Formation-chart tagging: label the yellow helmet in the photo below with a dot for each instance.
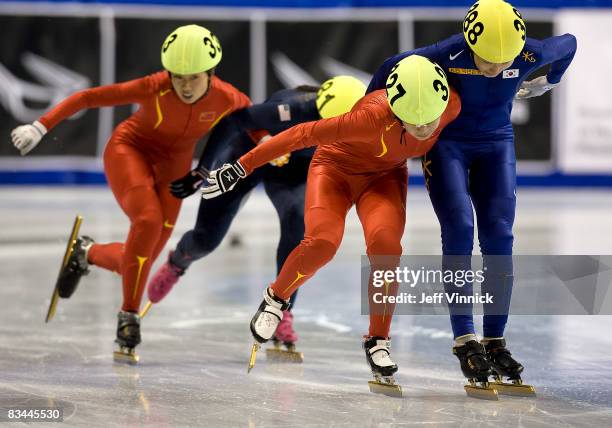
(494, 30)
(338, 95)
(417, 90)
(190, 49)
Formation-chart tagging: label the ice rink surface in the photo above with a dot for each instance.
(196, 343)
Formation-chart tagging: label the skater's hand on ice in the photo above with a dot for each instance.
(534, 88)
(281, 160)
(26, 137)
(188, 185)
(223, 180)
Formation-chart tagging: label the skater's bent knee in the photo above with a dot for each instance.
(149, 220)
(385, 242)
(319, 249)
(496, 237)
(458, 236)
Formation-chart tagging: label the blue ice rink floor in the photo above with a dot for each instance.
(196, 343)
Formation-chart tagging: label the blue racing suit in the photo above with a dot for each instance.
(472, 167)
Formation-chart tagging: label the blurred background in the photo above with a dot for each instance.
(50, 49)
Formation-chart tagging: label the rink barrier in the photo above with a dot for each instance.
(87, 178)
(539, 128)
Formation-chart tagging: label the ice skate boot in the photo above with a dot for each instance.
(74, 266)
(477, 369)
(503, 365)
(382, 366)
(161, 283)
(286, 336)
(265, 321)
(128, 337)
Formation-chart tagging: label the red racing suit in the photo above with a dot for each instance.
(360, 159)
(145, 153)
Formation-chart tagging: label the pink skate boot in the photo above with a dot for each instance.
(287, 336)
(164, 279)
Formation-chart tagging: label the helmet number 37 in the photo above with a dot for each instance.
(391, 81)
(438, 85)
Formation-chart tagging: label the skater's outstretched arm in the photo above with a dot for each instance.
(356, 125)
(225, 134)
(26, 137)
(271, 116)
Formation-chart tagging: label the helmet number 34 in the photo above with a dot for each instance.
(214, 47)
(212, 42)
(171, 39)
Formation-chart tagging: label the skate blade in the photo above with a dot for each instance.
(126, 357)
(52, 305)
(284, 356)
(254, 350)
(388, 389)
(146, 309)
(69, 247)
(481, 392)
(521, 390)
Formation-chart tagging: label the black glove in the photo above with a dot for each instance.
(188, 185)
(223, 180)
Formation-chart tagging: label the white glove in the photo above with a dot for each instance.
(26, 137)
(534, 88)
(222, 180)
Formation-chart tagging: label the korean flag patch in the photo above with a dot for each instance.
(511, 74)
(284, 112)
